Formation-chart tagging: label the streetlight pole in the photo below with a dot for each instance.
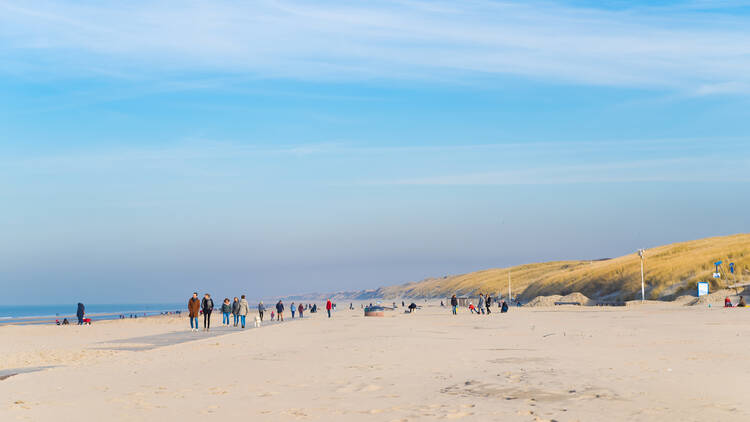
(641, 253)
(508, 287)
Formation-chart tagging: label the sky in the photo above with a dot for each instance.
(149, 149)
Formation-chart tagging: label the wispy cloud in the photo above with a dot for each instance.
(678, 170)
(340, 163)
(692, 46)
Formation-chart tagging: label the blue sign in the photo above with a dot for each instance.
(702, 288)
(731, 267)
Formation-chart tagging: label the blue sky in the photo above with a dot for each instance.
(149, 149)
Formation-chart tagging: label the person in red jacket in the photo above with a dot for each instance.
(328, 307)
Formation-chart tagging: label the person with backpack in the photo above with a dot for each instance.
(208, 306)
(236, 311)
(194, 308)
(243, 309)
(329, 306)
(261, 309)
(454, 303)
(226, 309)
(279, 311)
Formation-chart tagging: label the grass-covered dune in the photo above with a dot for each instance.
(671, 270)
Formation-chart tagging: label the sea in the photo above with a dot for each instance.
(47, 313)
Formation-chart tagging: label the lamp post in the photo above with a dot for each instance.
(508, 287)
(641, 253)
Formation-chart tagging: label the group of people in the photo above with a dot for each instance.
(483, 305)
(235, 312)
(740, 304)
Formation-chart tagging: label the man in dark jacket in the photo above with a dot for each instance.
(236, 311)
(279, 311)
(208, 306)
(194, 308)
(487, 303)
(80, 313)
(454, 303)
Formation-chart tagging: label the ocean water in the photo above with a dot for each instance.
(94, 310)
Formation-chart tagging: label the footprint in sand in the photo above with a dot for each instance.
(458, 415)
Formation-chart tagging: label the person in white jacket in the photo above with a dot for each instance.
(244, 309)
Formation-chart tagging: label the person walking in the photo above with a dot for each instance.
(454, 303)
(300, 309)
(480, 305)
(80, 312)
(293, 309)
(261, 309)
(236, 311)
(329, 306)
(488, 302)
(243, 309)
(208, 306)
(279, 311)
(194, 308)
(226, 309)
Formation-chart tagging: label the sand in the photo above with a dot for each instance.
(649, 362)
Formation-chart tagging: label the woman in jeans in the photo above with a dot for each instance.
(243, 309)
(226, 309)
(236, 311)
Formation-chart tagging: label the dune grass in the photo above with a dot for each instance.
(671, 270)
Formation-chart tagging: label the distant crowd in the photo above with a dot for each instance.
(235, 312)
(483, 307)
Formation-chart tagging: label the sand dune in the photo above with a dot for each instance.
(651, 362)
(671, 271)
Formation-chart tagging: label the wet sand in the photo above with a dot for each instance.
(650, 362)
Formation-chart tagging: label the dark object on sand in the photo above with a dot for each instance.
(568, 303)
(374, 311)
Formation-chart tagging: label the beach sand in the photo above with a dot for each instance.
(648, 362)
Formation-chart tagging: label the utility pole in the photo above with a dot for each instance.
(508, 287)
(641, 253)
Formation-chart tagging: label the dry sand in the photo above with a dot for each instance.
(649, 362)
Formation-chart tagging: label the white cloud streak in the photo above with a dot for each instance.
(679, 48)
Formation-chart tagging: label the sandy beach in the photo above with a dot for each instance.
(648, 362)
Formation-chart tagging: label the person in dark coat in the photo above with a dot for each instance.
(279, 311)
(80, 313)
(208, 306)
(454, 303)
(226, 309)
(504, 308)
(236, 310)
